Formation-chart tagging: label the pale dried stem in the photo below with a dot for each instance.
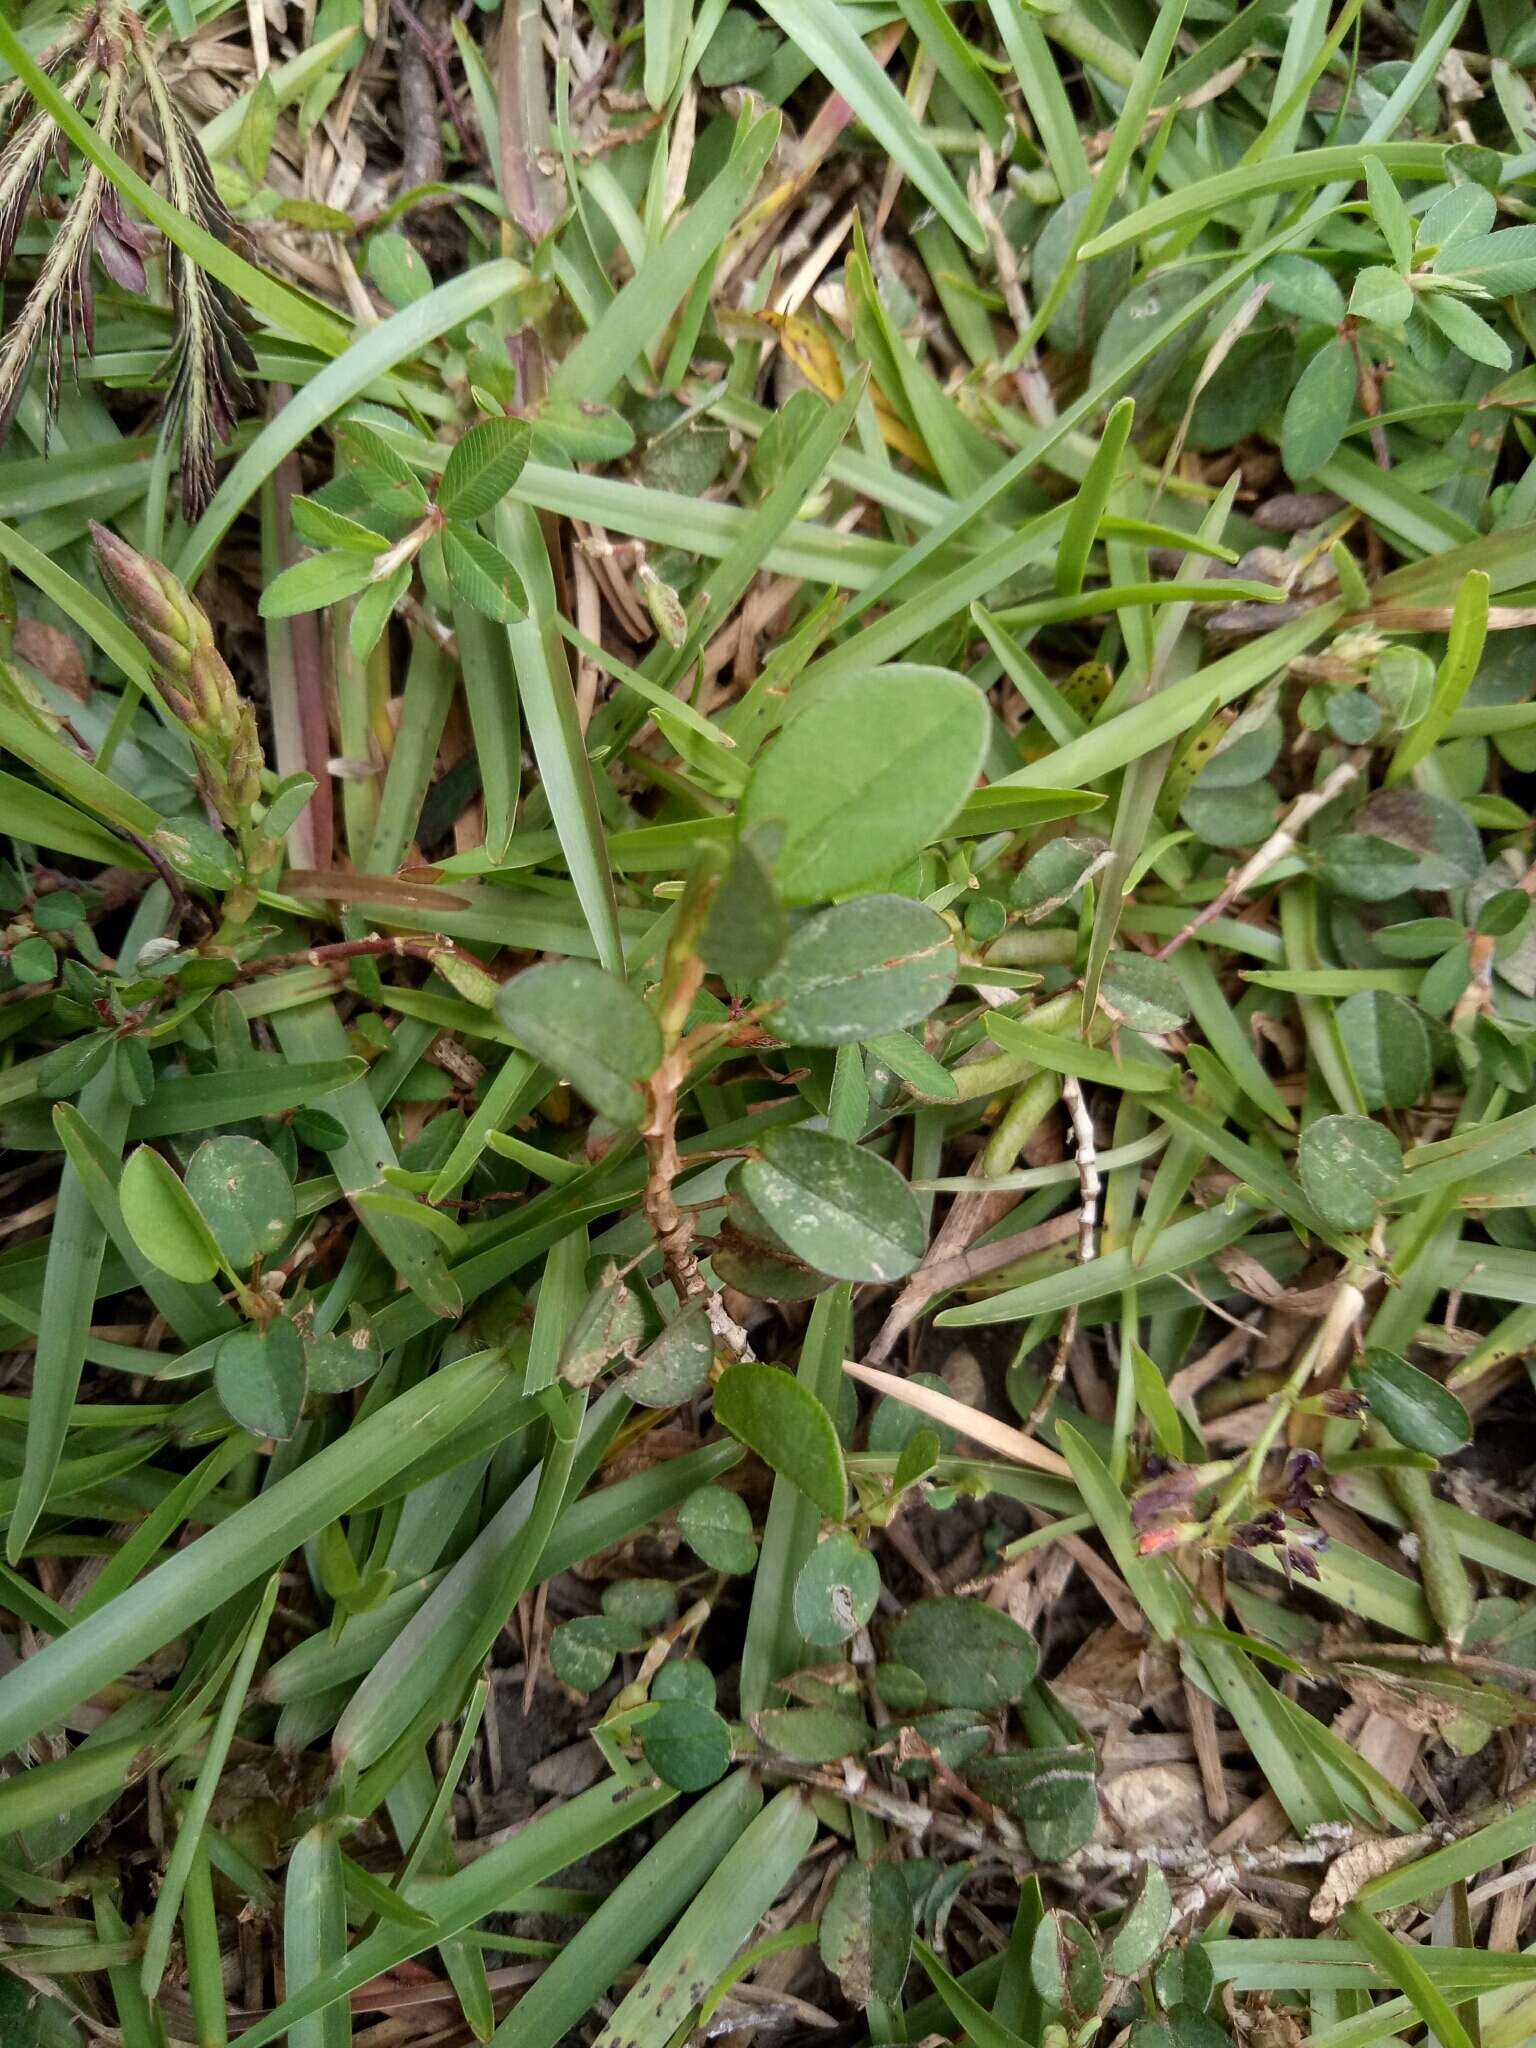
(1087, 1236)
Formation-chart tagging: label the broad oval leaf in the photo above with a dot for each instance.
(318, 580)
(164, 1221)
(966, 1653)
(1388, 1046)
(866, 1932)
(873, 769)
(750, 1257)
(581, 1652)
(244, 1192)
(812, 1735)
(1145, 1922)
(1467, 331)
(684, 1678)
(1054, 1792)
(1184, 1979)
(588, 1025)
(1318, 410)
(1445, 845)
(398, 268)
(1348, 1166)
(955, 1735)
(1420, 1413)
(859, 969)
(342, 1360)
(1096, 288)
(746, 928)
(1499, 263)
(1064, 1963)
(1144, 993)
(674, 1366)
(687, 1744)
(484, 465)
(716, 1524)
(842, 1209)
(606, 1326)
(260, 1379)
(836, 1590)
(1381, 295)
(647, 1604)
(772, 1414)
(323, 527)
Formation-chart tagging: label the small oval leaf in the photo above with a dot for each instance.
(787, 1426)
(873, 768)
(836, 1590)
(866, 1932)
(859, 969)
(1140, 1934)
(716, 1524)
(164, 1221)
(246, 1196)
(586, 1024)
(1418, 1411)
(686, 1744)
(966, 1653)
(842, 1209)
(1348, 1166)
(259, 1377)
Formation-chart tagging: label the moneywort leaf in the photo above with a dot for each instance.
(837, 1206)
(164, 1221)
(1348, 1166)
(585, 1023)
(966, 1653)
(858, 970)
(866, 1931)
(871, 770)
(774, 1415)
(1421, 1414)
(260, 1378)
(245, 1196)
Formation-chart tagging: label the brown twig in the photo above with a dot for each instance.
(421, 154)
(1368, 385)
(436, 54)
(182, 906)
(377, 946)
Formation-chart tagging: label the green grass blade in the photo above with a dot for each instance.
(631, 324)
(75, 1249)
(827, 36)
(554, 731)
(194, 1816)
(259, 1536)
(551, 1843)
